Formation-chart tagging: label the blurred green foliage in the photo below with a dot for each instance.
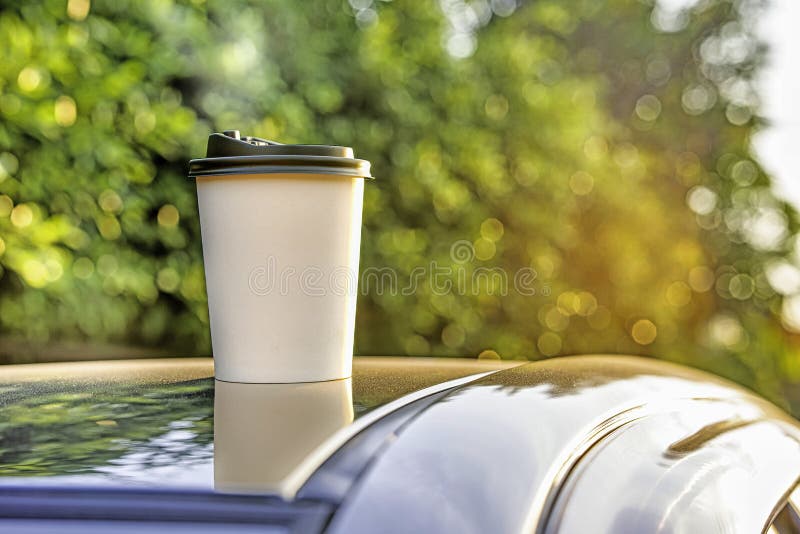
(605, 144)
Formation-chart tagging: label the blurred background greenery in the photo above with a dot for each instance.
(603, 143)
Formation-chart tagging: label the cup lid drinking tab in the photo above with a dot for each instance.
(231, 153)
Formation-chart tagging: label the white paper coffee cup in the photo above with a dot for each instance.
(281, 231)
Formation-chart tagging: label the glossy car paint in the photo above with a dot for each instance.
(578, 444)
(583, 444)
(704, 452)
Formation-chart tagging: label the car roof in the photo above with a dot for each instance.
(623, 444)
(150, 423)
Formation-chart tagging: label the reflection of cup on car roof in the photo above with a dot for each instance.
(263, 431)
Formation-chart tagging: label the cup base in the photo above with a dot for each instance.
(282, 381)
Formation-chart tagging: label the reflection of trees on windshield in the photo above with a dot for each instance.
(77, 432)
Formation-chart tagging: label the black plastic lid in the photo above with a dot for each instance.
(230, 153)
